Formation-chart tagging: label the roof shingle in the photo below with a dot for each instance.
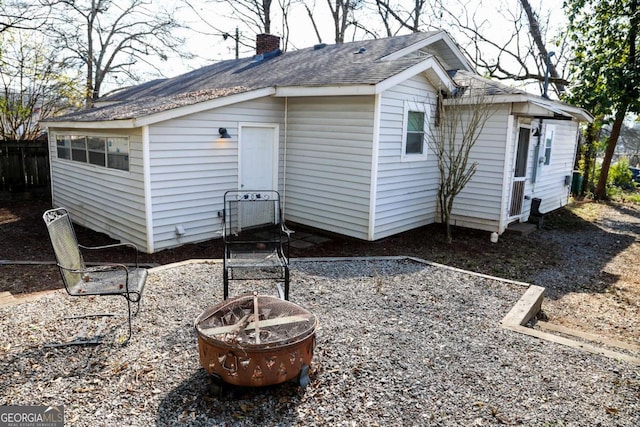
(330, 65)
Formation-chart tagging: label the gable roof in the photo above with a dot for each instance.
(350, 68)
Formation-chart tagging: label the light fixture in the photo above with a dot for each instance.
(223, 133)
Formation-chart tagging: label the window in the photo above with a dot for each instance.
(78, 149)
(63, 144)
(549, 135)
(414, 135)
(118, 153)
(109, 152)
(95, 146)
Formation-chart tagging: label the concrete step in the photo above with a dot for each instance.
(522, 228)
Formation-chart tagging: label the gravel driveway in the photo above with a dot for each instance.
(399, 343)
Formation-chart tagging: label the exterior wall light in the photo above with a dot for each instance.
(223, 133)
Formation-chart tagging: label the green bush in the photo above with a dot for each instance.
(620, 176)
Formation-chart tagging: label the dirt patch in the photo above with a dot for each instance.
(585, 256)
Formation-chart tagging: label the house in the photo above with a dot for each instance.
(326, 126)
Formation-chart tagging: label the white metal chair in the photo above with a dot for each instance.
(104, 279)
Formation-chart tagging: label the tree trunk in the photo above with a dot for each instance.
(601, 189)
(588, 158)
(534, 30)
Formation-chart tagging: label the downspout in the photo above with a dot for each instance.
(284, 160)
(50, 144)
(375, 146)
(148, 205)
(536, 154)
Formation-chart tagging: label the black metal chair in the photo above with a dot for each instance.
(256, 240)
(104, 279)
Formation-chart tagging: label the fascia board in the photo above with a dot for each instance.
(339, 90)
(435, 73)
(203, 106)
(104, 124)
(413, 48)
(566, 109)
(495, 99)
(442, 35)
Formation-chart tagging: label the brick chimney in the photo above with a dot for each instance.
(266, 43)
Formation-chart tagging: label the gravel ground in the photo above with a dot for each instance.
(595, 285)
(399, 343)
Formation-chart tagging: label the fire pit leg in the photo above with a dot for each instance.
(216, 386)
(303, 378)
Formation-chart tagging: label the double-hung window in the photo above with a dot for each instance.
(415, 131)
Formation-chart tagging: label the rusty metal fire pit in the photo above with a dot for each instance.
(237, 350)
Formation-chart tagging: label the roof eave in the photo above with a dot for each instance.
(325, 90)
(100, 124)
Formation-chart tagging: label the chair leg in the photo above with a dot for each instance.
(129, 318)
(286, 283)
(137, 302)
(225, 281)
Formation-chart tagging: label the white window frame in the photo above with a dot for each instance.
(419, 107)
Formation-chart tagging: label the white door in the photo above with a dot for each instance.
(258, 157)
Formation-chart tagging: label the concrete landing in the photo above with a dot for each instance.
(522, 228)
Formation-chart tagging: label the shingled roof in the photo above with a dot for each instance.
(355, 63)
(476, 87)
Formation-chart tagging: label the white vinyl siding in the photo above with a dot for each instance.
(191, 168)
(105, 200)
(479, 204)
(550, 185)
(406, 192)
(329, 152)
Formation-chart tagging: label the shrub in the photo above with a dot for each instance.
(620, 175)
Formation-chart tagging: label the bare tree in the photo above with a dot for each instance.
(410, 19)
(518, 51)
(109, 38)
(341, 10)
(32, 86)
(252, 17)
(536, 34)
(458, 124)
(18, 15)
(254, 14)
(310, 9)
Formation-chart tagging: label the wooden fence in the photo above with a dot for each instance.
(23, 165)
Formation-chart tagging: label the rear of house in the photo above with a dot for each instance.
(151, 167)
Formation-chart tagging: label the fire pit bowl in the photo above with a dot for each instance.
(239, 351)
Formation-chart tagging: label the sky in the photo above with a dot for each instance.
(208, 48)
